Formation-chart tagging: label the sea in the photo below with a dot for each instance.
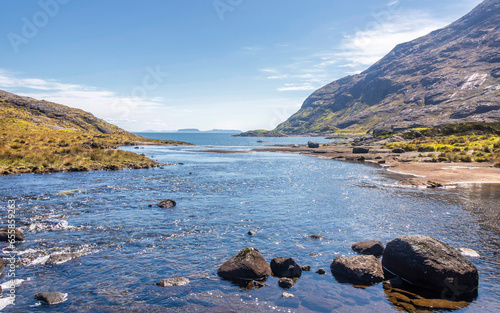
(124, 243)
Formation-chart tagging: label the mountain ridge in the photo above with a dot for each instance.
(449, 76)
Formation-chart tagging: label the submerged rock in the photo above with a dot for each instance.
(287, 295)
(285, 282)
(358, 269)
(59, 258)
(317, 237)
(255, 284)
(469, 252)
(306, 268)
(172, 282)
(6, 234)
(430, 263)
(167, 204)
(251, 232)
(52, 297)
(285, 267)
(371, 247)
(248, 264)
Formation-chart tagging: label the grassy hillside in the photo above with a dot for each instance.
(44, 137)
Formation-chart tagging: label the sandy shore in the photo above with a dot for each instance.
(423, 174)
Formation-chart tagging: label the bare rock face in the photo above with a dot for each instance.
(449, 76)
(358, 269)
(285, 267)
(248, 264)
(371, 247)
(432, 264)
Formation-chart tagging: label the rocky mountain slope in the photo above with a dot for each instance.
(42, 114)
(448, 76)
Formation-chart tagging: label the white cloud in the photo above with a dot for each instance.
(104, 104)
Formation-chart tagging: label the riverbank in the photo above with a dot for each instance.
(51, 151)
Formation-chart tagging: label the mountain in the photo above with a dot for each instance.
(41, 114)
(448, 76)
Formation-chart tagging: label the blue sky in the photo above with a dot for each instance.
(230, 64)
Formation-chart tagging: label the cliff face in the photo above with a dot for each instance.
(18, 110)
(448, 76)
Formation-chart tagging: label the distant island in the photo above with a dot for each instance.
(195, 130)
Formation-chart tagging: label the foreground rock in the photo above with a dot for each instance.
(248, 264)
(358, 269)
(285, 267)
(312, 144)
(52, 297)
(285, 282)
(167, 204)
(172, 282)
(430, 263)
(371, 247)
(16, 232)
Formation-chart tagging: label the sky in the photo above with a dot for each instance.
(161, 65)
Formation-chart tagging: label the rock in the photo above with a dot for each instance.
(172, 282)
(255, 284)
(285, 267)
(358, 269)
(285, 283)
(287, 295)
(469, 252)
(6, 231)
(313, 255)
(430, 263)
(371, 247)
(398, 151)
(167, 204)
(359, 150)
(251, 232)
(150, 205)
(51, 297)
(2, 267)
(306, 268)
(321, 271)
(59, 258)
(312, 144)
(317, 237)
(248, 264)
(295, 146)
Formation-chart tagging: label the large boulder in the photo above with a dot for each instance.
(285, 267)
(248, 264)
(312, 144)
(16, 232)
(371, 247)
(430, 263)
(358, 269)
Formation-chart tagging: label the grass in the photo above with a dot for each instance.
(464, 142)
(34, 150)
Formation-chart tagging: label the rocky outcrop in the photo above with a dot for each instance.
(248, 264)
(371, 247)
(6, 234)
(312, 145)
(51, 297)
(172, 282)
(432, 264)
(449, 76)
(358, 269)
(285, 267)
(167, 204)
